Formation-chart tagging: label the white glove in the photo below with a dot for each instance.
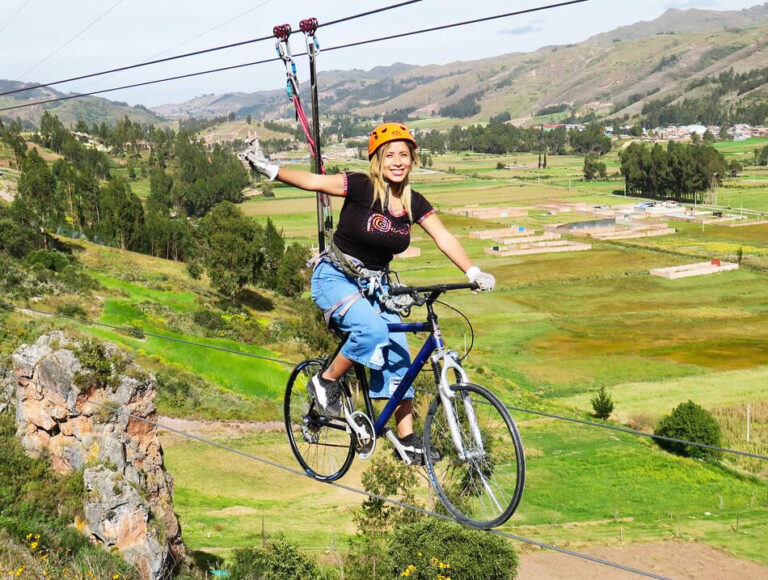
(256, 159)
(485, 281)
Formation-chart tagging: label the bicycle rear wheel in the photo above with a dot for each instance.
(484, 488)
(323, 447)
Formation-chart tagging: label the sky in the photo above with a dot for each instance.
(44, 41)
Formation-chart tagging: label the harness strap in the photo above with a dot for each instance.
(344, 305)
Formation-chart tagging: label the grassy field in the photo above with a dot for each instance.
(558, 327)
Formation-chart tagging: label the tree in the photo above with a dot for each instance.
(37, 189)
(122, 215)
(230, 248)
(593, 168)
(248, 119)
(690, 422)
(602, 403)
(66, 177)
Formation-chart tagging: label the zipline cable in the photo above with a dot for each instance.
(456, 24)
(15, 14)
(188, 40)
(135, 332)
(71, 40)
(338, 47)
(336, 484)
(195, 53)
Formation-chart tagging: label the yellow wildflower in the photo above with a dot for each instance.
(434, 561)
(115, 576)
(33, 545)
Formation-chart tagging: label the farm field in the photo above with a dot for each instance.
(557, 328)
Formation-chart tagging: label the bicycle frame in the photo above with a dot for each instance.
(432, 350)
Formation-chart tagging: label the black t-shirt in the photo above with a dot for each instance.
(370, 234)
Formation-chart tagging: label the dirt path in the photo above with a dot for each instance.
(217, 429)
(679, 560)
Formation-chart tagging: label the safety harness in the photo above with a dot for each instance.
(372, 284)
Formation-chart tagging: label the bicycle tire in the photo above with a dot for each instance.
(484, 490)
(323, 447)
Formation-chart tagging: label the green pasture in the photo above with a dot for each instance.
(558, 327)
(618, 487)
(711, 390)
(243, 374)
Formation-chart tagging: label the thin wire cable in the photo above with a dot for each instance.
(374, 11)
(455, 24)
(469, 324)
(339, 47)
(635, 432)
(195, 53)
(211, 29)
(138, 333)
(187, 41)
(15, 14)
(71, 40)
(91, 93)
(133, 331)
(336, 484)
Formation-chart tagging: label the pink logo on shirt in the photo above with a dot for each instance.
(383, 224)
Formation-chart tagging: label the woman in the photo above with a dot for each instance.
(374, 224)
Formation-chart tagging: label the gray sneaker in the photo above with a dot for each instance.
(413, 447)
(327, 394)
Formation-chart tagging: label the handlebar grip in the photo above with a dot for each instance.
(398, 290)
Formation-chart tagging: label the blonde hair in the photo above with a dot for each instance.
(380, 184)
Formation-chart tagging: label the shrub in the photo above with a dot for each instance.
(602, 403)
(280, 559)
(433, 548)
(690, 422)
(71, 310)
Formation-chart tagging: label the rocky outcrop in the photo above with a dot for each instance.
(97, 415)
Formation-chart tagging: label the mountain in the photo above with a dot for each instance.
(90, 109)
(615, 74)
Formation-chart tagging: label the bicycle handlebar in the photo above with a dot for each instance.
(439, 288)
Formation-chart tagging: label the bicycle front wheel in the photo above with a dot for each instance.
(480, 484)
(324, 447)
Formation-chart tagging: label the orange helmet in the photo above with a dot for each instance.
(388, 132)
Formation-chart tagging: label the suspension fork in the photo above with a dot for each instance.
(447, 398)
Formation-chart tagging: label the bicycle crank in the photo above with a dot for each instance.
(365, 438)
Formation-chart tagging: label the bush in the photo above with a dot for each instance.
(602, 403)
(71, 310)
(280, 559)
(433, 548)
(690, 422)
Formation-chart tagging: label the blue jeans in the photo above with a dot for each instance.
(370, 342)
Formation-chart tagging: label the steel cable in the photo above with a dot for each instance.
(65, 394)
(338, 47)
(138, 332)
(195, 53)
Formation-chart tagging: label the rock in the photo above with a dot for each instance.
(118, 516)
(105, 427)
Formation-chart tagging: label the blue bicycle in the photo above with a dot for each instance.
(472, 448)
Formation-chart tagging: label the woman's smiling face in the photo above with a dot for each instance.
(397, 161)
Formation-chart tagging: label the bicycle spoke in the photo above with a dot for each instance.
(484, 487)
(322, 446)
